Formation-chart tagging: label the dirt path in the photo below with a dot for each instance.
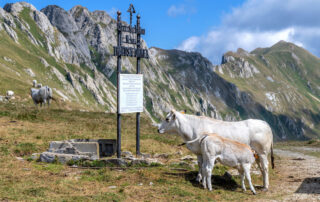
(298, 176)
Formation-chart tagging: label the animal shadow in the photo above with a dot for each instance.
(310, 186)
(218, 182)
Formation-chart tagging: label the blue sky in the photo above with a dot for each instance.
(165, 28)
(213, 27)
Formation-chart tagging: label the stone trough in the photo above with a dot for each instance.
(77, 149)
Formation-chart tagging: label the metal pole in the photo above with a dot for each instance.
(118, 90)
(138, 72)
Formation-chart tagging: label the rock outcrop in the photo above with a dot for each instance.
(73, 50)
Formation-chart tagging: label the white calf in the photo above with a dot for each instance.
(227, 152)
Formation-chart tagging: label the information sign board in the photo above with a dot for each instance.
(131, 93)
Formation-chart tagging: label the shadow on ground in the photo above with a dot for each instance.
(310, 186)
(218, 182)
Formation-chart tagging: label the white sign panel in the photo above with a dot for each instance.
(131, 93)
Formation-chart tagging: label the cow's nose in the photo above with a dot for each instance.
(158, 130)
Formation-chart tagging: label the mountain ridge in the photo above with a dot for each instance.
(72, 52)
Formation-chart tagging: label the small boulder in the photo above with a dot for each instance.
(126, 154)
(30, 72)
(163, 156)
(188, 158)
(143, 155)
(35, 156)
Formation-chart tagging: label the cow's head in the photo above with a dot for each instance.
(169, 124)
(49, 92)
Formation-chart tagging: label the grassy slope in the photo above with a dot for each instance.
(291, 79)
(24, 130)
(27, 55)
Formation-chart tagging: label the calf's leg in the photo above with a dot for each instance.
(246, 168)
(199, 177)
(242, 179)
(207, 167)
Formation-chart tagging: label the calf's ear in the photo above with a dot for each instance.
(173, 117)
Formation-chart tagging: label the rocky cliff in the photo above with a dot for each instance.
(72, 52)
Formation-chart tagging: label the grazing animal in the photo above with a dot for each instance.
(34, 83)
(42, 95)
(255, 133)
(10, 93)
(228, 152)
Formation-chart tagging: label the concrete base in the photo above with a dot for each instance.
(50, 157)
(90, 149)
(76, 149)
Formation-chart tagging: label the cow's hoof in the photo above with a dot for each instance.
(254, 193)
(264, 189)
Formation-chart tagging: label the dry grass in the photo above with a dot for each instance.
(25, 130)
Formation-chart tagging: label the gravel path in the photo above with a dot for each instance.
(298, 175)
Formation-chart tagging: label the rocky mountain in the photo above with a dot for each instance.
(71, 51)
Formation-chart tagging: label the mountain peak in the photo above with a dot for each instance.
(16, 8)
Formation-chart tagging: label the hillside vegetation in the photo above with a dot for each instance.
(71, 51)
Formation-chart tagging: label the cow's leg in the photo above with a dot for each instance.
(265, 174)
(246, 169)
(259, 164)
(199, 177)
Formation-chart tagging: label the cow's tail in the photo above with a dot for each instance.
(272, 157)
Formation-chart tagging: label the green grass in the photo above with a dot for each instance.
(31, 180)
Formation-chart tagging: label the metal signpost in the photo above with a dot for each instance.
(129, 86)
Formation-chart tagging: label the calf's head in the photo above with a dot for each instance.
(169, 124)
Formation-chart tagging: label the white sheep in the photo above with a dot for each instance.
(10, 93)
(34, 83)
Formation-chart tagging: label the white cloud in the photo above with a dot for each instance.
(190, 44)
(174, 10)
(182, 9)
(261, 24)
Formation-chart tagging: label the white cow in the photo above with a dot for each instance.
(228, 152)
(42, 95)
(255, 133)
